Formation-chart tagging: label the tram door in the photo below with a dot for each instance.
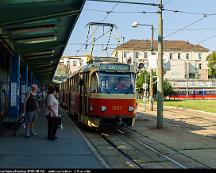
(81, 91)
(84, 96)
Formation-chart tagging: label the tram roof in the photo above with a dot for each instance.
(39, 30)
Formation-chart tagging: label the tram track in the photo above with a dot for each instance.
(172, 160)
(154, 156)
(124, 154)
(135, 156)
(152, 149)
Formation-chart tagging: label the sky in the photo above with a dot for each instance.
(191, 24)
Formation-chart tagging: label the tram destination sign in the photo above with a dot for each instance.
(115, 67)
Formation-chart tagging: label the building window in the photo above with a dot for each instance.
(192, 76)
(171, 56)
(200, 56)
(179, 55)
(187, 56)
(199, 66)
(125, 54)
(145, 55)
(137, 55)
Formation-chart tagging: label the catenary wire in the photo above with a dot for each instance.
(101, 22)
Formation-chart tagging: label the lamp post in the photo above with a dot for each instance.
(151, 98)
(144, 95)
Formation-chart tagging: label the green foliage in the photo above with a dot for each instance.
(168, 89)
(212, 64)
(141, 80)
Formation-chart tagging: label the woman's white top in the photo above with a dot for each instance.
(53, 102)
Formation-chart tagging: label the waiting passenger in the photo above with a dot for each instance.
(30, 109)
(51, 112)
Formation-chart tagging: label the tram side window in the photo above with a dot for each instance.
(77, 83)
(182, 92)
(208, 92)
(191, 92)
(94, 83)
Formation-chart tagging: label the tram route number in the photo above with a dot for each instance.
(117, 108)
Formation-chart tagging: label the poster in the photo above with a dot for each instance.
(153, 62)
(13, 93)
(23, 91)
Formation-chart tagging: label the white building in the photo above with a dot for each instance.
(181, 58)
(74, 63)
(67, 65)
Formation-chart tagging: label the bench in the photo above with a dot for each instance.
(10, 123)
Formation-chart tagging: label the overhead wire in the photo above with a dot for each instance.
(204, 16)
(188, 29)
(207, 39)
(186, 26)
(123, 12)
(108, 13)
(189, 12)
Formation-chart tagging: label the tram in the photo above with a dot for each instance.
(194, 93)
(101, 93)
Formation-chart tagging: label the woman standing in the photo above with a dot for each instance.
(52, 113)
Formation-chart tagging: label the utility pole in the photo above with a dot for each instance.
(187, 79)
(122, 50)
(160, 69)
(151, 99)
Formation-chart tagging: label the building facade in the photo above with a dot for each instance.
(182, 60)
(67, 65)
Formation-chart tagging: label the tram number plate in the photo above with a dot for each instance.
(117, 108)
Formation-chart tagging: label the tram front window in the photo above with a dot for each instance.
(116, 83)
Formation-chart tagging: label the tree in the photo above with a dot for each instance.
(141, 80)
(168, 89)
(212, 64)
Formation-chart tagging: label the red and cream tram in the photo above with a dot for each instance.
(101, 93)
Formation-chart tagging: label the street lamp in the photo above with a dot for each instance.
(151, 98)
(135, 24)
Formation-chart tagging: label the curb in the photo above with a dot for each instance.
(180, 108)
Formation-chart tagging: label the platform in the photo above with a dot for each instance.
(70, 150)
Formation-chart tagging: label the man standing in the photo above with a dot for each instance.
(30, 109)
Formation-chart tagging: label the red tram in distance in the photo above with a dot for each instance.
(101, 93)
(194, 93)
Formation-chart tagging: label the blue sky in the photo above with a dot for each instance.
(195, 33)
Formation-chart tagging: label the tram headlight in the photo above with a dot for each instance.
(103, 108)
(130, 108)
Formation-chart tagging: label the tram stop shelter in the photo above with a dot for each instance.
(33, 36)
